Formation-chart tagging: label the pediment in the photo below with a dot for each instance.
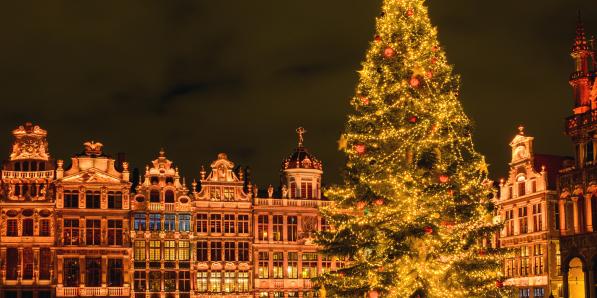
(91, 176)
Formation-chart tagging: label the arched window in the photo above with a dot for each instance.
(17, 166)
(154, 196)
(169, 180)
(154, 180)
(521, 184)
(42, 166)
(25, 166)
(576, 279)
(293, 193)
(169, 196)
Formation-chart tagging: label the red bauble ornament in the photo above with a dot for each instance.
(389, 52)
(429, 74)
(413, 119)
(364, 100)
(448, 224)
(410, 12)
(428, 230)
(378, 202)
(482, 252)
(444, 178)
(359, 148)
(377, 38)
(433, 60)
(373, 294)
(499, 284)
(361, 205)
(414, 82)
(434, 49)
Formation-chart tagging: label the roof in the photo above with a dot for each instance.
(552, 163)
(301, 158)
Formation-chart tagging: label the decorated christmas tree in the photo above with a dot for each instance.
(414, 216)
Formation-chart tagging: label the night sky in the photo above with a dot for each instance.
(202, 77)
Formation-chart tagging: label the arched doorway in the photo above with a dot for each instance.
(576, 279)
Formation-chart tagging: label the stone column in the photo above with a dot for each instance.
(516, 221)
(270, 227)
(588, 213)
(575, 215)
(562, 206)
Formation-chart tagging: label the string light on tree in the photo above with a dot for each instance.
(414, 201)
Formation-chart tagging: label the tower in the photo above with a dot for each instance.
(301, 173)
(583, 77)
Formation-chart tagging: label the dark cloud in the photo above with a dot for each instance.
(202, 77)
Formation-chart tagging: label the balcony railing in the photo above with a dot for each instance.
(27, 175)
(292, 202)
(581, 120)
(92, 291)
(571, 177)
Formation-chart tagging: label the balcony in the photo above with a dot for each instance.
(571, 177)
(292, 203)
(283, 284)
(27, 175)
(92, 291)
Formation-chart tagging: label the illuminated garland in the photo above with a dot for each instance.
(414, 215)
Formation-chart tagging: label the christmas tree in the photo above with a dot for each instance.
(414, 216)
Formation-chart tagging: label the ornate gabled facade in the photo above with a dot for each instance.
(161, 233)
(92, 249)
(27, 210)
(578, 183)
(528, 207)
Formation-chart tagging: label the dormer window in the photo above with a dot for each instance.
(521, 184)
(169, 180)
(154, 196)
(154, 180)
(169, 196)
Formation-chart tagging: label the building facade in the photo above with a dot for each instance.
(528, 207)
(577, 183)
(82, 229)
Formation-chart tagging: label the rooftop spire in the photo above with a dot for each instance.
(580, 42)
(300, 131)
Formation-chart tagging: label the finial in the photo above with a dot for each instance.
(202, 173)
(162, 152)
(580, 42)
(521, 130)
(300, 131)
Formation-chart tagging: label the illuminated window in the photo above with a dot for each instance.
(524, 261)
(292, 228)
(215, 282)
(229, 281)
(521, 185)
(155, 281)
(93, 232)
(229, 250)
(155, 223)
(140, 224)
(262, 226)
(324, 225)
(263, 271)
(510, 269)
(201, 281)
(523, 220)
(326, 264)
(114, 200)
(524, 293)
(70, 232)
(71, 199)
(538, 292)
(169, 222)
(243, 281)
(538, 259)
(184, 222)
(183, 250)
(114, 232)
(278, 227)
(243, 224)
(216, 251)
(278, 265)
(115, 276)
(229, 223)
(309, 263)
(44, 227)
(154, 250)
(139, 252)
(537, 218)
(201, 223)
(509, 223)
(229, 193)
(169, 250)
(202, 255)
(92, 199)
(292, 269)
(215, 222)
(243, 251)
(558, 260)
